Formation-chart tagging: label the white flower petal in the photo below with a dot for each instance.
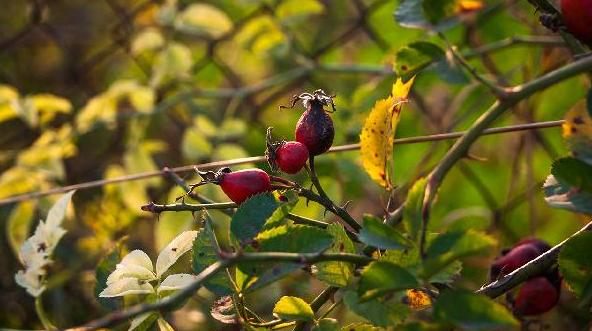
(126, 286)
(139, 258)
(32, 256)
(173, 251)
(176, 282)
(31, 280)
(140, 319)
(56, 214)
(130, 271)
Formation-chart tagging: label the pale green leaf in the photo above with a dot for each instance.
(293, 309)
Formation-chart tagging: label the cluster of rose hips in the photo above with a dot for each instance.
(538, 294)
(314, 135)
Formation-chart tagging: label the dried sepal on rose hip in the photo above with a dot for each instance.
(237, 185)
(315, 127)
(287, 156)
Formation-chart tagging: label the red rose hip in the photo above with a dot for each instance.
(243, 184)
(577, 16)
(514, 259)
(291, 157)
(315, 127)
(535, 297)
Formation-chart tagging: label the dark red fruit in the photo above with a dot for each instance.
(315, 127)
(291, 157)
(577, 16)
(539, 244)
(536, 296)
(514, 259)
(243, 184)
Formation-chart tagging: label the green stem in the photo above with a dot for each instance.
(323, 199)
(155, 208)
(462, 145)
(43, 315)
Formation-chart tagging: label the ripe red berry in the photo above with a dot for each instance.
(539, 244)
(577, 16)
(291, 157)
(536, 296)
(243, 184)
(315, 127)
(514, 259)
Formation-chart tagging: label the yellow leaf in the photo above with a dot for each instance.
(417, 299)
(378, 133)
(204, 19)
(577, 131)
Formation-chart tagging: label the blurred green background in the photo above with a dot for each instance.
(99, 89)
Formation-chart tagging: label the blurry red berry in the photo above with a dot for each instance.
(291, 157)
(577, 16)
(514, 259)
(536, 296)
(243, 184)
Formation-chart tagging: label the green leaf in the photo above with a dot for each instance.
(409, 259)
(412, 213)
(263, 274)
(143, 322)
(575, 263)
(279, 215)
(163, 325)
(337, 273)
(409, 14)
(381, 277)
(413, 58)
(450, 246)
(573, 172)
(251, 215)
(559, 195)
(293, 309)
(285, 238)
(472, 311)
(326, 324)
(294, 239)
(105, 267)
(361, 327)
(18, 225)
(379, 235)
(436, 11)
(203, 255)
(376, 311)
(173, 61)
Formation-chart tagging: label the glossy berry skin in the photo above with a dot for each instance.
(243, 184)
(577, 16)
(315, 129)
(514, 259)
(291, 157)
(536, 296)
